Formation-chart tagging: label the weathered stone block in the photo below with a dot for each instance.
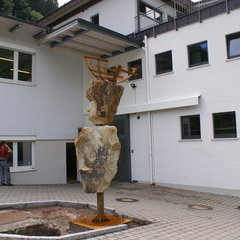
(104, 99)
(98, 150)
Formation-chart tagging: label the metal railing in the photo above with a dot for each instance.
(169, 12)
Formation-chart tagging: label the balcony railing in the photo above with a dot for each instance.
(169, 12)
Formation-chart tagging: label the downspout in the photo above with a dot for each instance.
(150, 119)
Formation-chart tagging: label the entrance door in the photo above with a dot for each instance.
(121, 122)
(71, 162)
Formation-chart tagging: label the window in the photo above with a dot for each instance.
(233, 45)
(191, 127)
(150, 11)
(224, 125)
(95, 19)
(198, 54)
(16, 66)
(6, 63)
(22, 155)
(164, 62)
(136, 64)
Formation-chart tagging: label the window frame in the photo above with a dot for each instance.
(197, 64)
(16, 140)
(192, 137)
(15, 167)
(153, 9)
(230, 37)
(141, 74)
(222, 136)
(16, 52)
(164, 71)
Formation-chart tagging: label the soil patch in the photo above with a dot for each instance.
(55, 221)
(37, 230)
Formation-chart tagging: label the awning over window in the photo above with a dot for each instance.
(89, 38)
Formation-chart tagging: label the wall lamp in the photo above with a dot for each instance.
(133, 85)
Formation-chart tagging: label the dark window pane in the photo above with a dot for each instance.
(142, 7)
(95, 19)
(6, 63)
(191, 127)
(24, 154)
(25, 67)
(233, 45)
(164, 62)
(136, 64)
(198, 54)
(224, 125)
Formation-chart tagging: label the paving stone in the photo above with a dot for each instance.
(166, 207)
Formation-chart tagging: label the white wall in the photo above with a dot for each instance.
(206, 163)
(51, 109)
(50, 165)
(113, 14)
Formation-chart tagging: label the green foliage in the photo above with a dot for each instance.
(30, 10)
(6, 6)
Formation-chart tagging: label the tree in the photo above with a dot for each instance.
(6, 6)
(30, 10)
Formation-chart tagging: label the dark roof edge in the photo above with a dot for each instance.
(68, 13)
(56, 10)
(205, 13)
(22, 21)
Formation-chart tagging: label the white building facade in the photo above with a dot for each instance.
(182, 110)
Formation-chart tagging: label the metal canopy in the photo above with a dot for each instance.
(89, 38)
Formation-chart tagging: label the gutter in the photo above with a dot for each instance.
(150, 118)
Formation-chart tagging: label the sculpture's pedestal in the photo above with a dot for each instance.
(91, 224)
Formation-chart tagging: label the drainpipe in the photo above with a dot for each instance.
(150, 119)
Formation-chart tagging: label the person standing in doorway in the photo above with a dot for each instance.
(5, 172)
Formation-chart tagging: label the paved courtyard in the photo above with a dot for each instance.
(167, 208)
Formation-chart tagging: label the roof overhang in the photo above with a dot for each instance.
(13, 25)
(89, 38)
(67, 11)
(187, 101)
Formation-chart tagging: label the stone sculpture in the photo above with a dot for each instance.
(98, 152)
(104, 99)
(98, 148)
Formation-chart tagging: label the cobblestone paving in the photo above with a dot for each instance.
(167, 208)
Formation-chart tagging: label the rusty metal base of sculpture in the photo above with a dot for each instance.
(91, 224)
(101, 220)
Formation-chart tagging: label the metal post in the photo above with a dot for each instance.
(227, 7)
(175, 19)
(138, 16)
(100, 208)
(199, 13)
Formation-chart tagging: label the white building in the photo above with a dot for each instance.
(178, 121)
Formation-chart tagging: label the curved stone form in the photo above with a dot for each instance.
(98, 150)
